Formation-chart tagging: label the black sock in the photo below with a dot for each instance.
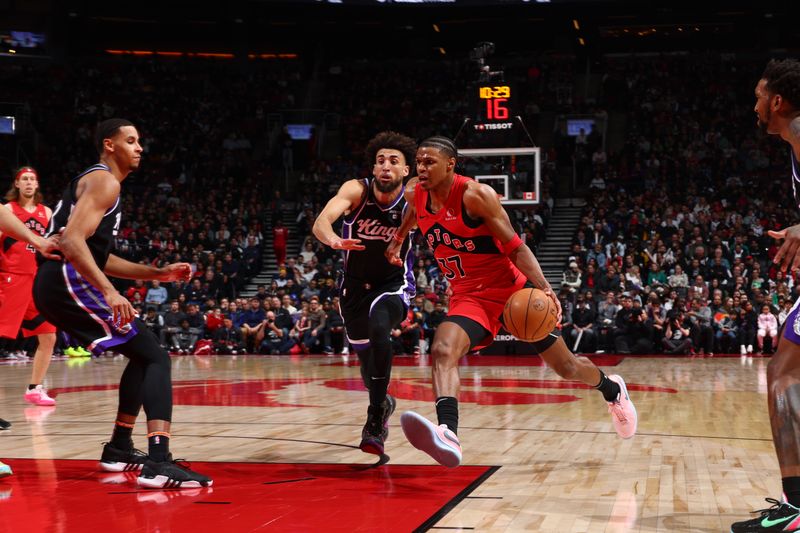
(610, 389)
(377, 391)
(31, 386)
(121, 437)
(158, 446)
(447, 411)
(791, 488)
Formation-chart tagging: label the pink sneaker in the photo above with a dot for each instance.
(38, 396)
(623, 413)
(437, 441)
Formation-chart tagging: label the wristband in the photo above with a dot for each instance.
(400, 239)
(512, 245)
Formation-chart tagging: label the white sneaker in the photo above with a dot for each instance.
(749, 348)
(742, 350)
(437, 441)
(38, 396)
(623, 413)
(345, 351)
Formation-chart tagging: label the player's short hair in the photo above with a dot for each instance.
(783, 78)
(441, 143)
(106, 130)
(393, 141)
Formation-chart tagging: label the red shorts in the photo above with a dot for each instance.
(485, 307)
(17, 309)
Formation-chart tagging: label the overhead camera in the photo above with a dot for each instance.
(479, 55)
(481, 52)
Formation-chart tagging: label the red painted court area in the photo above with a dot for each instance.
(71, 495)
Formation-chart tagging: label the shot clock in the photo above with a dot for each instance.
(494, 106)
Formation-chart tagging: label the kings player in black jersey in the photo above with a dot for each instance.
(778, 110)
(76, 295)
(374, 295)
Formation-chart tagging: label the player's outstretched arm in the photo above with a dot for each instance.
(481, 201)
(11, 225)
(122, 268)
(97, 192)
(348, 197)
(409, 222)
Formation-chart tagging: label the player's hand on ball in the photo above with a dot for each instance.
(346, 244)
(549, 292)
(176, 272)
(788, 255)
(392, 253)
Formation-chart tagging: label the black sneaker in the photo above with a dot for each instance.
(4, 424)
(171, 474)
(376, 430)
(117, 460)
(781, 516)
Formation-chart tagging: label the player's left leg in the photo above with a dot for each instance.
(566, 364)
(36, 393)
(147, 382)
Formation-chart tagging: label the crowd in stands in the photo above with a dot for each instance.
(672, 253)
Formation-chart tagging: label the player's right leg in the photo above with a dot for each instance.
(452, 341)
(783, 399)
(384, 313)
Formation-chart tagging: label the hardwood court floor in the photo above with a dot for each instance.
(702, 458)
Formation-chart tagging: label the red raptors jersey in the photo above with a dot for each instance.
(19, 257)
(467, 253)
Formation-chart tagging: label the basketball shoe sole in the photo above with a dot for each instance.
(437, 441)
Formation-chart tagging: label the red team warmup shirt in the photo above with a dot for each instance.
(482, 277)
(17, 270)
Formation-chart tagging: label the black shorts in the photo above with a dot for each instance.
(356, 302)
(73, 305)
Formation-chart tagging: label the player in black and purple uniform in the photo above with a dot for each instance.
(778, 110)
(76, 296)
(375, 295)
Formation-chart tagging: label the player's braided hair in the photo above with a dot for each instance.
(393, 141)
(106, 130)
(783, 78)
(441, 143)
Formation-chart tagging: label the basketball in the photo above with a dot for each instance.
(530, 315)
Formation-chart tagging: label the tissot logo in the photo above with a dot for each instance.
(372, 230)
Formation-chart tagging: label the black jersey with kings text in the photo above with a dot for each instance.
(101, 242)
(375, 225)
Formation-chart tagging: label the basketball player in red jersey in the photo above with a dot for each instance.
(17, 271)
(485, 262)
(778, 110)
(13, 227)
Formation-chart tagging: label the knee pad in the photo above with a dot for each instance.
(548, 341)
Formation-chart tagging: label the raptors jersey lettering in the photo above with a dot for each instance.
(19, 257)
(467, 253)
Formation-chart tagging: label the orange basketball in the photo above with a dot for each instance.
(530, 315)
